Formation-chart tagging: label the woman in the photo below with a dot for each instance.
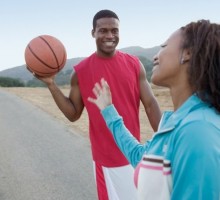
(182, 160)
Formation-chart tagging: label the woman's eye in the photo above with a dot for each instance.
(163, 45)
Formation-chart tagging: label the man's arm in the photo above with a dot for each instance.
(71, 106)
(149, 101)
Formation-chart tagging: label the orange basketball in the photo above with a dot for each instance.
(45, 55)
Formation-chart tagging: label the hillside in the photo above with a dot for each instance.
(20, 72)
(144, 52)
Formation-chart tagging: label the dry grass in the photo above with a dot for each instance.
(42, 98)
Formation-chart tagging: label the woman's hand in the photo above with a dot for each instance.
(103, 95)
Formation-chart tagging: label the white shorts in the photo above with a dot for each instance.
(115, 183)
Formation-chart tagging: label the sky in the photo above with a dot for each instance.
(144, 23)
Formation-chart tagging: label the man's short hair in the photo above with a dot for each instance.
(103, 14)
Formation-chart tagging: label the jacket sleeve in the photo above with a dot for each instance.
(126, 142)
(196, 162)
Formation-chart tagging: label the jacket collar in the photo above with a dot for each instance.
(171, 119)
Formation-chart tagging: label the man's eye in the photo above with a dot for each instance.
(115, 31)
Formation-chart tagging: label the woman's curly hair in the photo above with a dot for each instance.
(202, 38)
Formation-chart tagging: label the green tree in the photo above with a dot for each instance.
(62, 78)
(11, 82)
(148, 65)
(34, 82)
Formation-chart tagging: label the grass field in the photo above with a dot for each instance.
(42, 98)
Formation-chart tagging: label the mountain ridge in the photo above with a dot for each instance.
(20, 72)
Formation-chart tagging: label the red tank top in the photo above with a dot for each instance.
(122, 74)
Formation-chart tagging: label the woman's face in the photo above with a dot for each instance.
(167, 68)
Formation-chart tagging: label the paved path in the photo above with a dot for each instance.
(40, 159)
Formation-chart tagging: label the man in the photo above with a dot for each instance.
(127, 79)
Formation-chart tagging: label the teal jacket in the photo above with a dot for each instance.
(182, 160)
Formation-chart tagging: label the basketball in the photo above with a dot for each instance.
(45, 55)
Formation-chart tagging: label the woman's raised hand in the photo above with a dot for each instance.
(103, 97)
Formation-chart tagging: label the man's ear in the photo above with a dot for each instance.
(93, 33)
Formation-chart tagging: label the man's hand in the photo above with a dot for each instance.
(47, 80)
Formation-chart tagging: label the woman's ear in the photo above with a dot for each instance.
(186, 55)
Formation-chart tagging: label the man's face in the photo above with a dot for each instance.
(106, 34)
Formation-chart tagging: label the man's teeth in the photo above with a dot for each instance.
(109, 43)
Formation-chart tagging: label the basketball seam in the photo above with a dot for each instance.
(64, 60)
(35, 55)
(52, 51)
(39, 72)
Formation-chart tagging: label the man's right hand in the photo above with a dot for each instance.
(47, 80)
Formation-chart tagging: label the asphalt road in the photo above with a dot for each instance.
(40, 159)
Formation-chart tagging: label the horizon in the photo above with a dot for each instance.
(81, 56)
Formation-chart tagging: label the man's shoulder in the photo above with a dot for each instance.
(83, 62)
(128, 55)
